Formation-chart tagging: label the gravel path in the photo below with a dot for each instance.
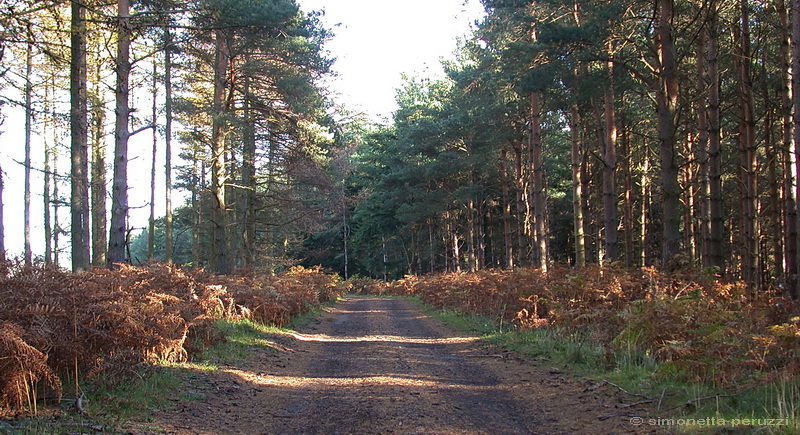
(379, 365)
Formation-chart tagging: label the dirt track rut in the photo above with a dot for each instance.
(379, 365)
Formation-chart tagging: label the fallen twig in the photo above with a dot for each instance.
(94, 427)
(641, 402)
(713, 396)
(605, 382)
(618, 414)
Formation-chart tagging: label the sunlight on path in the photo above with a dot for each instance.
(323, 338)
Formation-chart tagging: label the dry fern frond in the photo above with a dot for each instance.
(22, 367)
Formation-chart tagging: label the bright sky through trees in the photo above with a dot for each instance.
(374, 43)
(377, 41)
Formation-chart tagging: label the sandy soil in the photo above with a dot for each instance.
(379, 365)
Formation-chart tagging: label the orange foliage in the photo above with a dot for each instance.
(715, 331)
(105, 323)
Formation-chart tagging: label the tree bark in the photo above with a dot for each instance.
(789, 152)
(610, 167)
(795, 50)
(776, 236)
(577, 188)
(480, 233)
(219, 255)
(540, 236)
(717, 225)
(471, 254)
(628, 194)
(644, 210)
(28, 253)
(168, 218)
(151, 224)
(748, 150)
(98, 169)
(48, 175)
(119, 191)
(702, 150)
(248, 208)
(79, 140)
(508, 243)
(667, 98)
(56, 201)
(198, 184)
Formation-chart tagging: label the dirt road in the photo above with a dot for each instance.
(378, 365)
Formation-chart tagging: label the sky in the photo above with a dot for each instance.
(375, 42)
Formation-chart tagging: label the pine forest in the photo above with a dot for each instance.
(622, 171)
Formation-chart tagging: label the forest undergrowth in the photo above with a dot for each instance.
(683, 341)
(686, 342)
(60, 331)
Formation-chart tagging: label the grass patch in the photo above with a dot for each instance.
(107, 407)
(238, 337)
(679, 404)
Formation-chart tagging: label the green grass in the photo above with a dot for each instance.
(107, 407)
(239, 337)
(685, 406)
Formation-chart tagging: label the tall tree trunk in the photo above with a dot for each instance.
(702, 150)
(56, 200)
(28, 253)
(385, 257)
(540, 235)
(789, 152)
(749, 162)
(198, 184)
(644, 210)
(628, 194)
(248, 200)
(98, 169)
(168, 218)
(796, 107)
(151, 224)
(79, 141)
(456, 244)
(714, 248)
(431, 247)
(776, 237)
(48, 175)
(688, 175)
(119, 191)
(577, 188)
(508, 243)
(667, 97)
(523, 203)
(219, 255)
(345, 232)
(480, 234)
(471, 255)
(610, 166)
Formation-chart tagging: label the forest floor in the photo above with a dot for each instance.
(381, 365)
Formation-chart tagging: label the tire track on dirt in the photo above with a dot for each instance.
(379, 365)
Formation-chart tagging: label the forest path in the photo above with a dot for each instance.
(380, 365)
